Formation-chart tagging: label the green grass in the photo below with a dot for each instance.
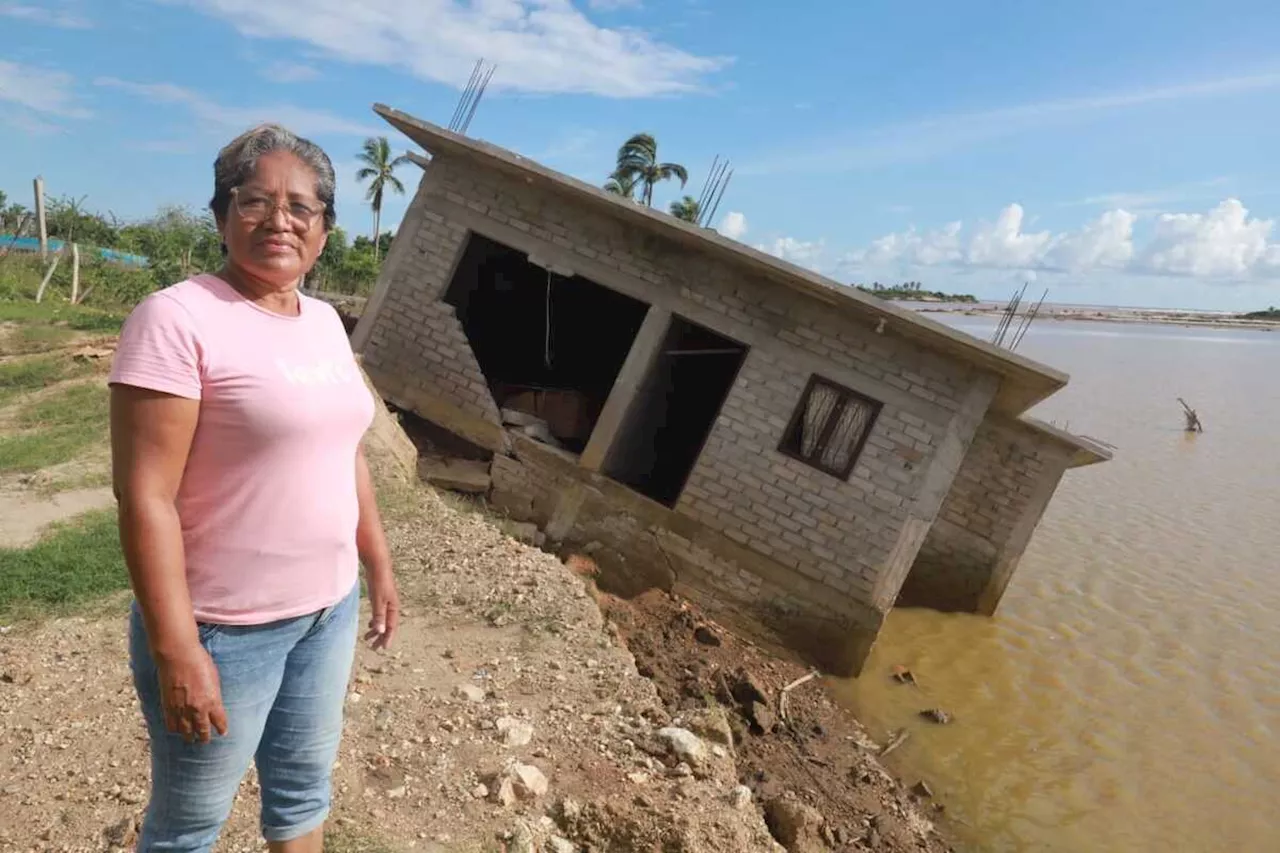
(28, 339)
(22, 376)
(74, 405)
(57, 429)
(27, 312)
(77, 562)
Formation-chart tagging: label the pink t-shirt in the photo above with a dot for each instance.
(268, 499)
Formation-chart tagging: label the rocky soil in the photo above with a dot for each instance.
(813, 770)
(510, 716)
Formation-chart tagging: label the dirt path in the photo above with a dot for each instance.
(24, 514)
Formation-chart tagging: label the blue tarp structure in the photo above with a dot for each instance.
(32, 244)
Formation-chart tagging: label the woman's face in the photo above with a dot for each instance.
(274, 229)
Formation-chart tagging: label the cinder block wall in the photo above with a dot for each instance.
(838, 536)
(997, 498)
(417, 352)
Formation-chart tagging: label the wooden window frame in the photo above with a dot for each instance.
(846, 395)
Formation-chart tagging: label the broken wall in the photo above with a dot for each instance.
(417, 352)
(849, 542)
(1004, 485)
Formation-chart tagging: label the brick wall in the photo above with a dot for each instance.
(833, 533)
(997, 486)
(418, 338)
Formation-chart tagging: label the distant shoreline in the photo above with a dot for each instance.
(1149, 316)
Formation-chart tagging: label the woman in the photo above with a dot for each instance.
(245, 502)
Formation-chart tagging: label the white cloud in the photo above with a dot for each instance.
(1223, 243)
(800, 252)
(291, 72)
(45, 15)
(39, 90)
(1107, 242)
(1003, 243)
(537, 45)
(220, 118)
(733, 225)
(931, 136)
(935, 248)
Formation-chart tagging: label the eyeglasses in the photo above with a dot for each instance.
(255, 207)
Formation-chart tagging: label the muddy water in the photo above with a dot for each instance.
(1126, 697)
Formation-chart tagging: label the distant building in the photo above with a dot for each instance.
(795, 455)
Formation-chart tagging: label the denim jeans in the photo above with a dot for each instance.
(283, 687)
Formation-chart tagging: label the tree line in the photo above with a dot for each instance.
(179, 242)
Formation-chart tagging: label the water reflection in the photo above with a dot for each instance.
(1127, 695)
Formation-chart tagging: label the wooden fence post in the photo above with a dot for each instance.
(47, 276)
(44, 231)
(75, 273)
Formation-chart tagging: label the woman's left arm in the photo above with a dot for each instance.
(371, 542)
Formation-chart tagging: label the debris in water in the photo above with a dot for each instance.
(936, 715)
(902, 675)
(898, 740)
(1193, 419)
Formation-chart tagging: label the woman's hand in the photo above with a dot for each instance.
(371, 543)
(385, 603)
(191, 695)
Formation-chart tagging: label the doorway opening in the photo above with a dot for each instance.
(549, 342)
(675, 407)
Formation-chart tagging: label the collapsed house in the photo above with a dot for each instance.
(794, 454)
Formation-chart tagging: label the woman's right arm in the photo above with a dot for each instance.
(150, 438)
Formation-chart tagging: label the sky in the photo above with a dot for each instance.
(1120, 152)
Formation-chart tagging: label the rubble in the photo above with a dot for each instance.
(514, 732)
(798, 826)
(528, 781)
(457, 475)
(471, 692)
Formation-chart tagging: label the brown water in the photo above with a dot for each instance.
(1126, 696)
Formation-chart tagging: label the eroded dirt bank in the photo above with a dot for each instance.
(510, 716)
(816, 765)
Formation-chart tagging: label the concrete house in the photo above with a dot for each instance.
(793, 454)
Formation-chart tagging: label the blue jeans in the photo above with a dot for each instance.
(283, 687)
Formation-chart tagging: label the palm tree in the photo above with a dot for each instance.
(686, 209)
(379, 168)
(638, 161)
(623, 185)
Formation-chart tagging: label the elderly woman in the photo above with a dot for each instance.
(237, 412)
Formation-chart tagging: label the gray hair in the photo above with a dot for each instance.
(238, 160)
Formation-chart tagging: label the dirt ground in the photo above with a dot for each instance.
(520, 710)
(501, 642)
(503, 657)
(30, 502)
